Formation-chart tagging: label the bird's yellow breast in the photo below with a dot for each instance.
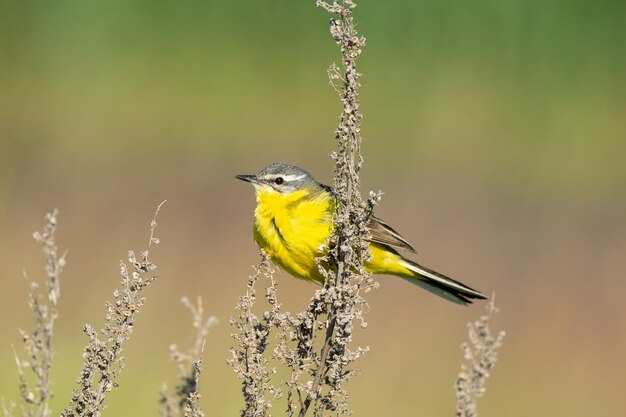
(294, 228)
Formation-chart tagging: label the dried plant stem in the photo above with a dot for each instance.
(185, 399)
(314, 344)
(348, 248)
(248, 360)
(320, 369)
(103, 355)
(191, 407)
(481, 353)
(38, 342)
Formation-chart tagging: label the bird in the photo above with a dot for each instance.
(293, 220)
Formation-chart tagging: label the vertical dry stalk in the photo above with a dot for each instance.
(314, 344)
(38, 342)
(481, 353)
(103, 355)
(191, 408)
(185, 400)
(252, 337)
(341, 298)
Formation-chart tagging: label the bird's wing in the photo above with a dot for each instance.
(382, 233)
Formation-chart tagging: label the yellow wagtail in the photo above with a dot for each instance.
(293, 221)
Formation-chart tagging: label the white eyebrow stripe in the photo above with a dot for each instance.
(293, 177)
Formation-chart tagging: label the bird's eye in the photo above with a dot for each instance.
(279, 180)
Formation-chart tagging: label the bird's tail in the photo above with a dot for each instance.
(440, 285)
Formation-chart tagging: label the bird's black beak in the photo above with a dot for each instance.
(248, 178)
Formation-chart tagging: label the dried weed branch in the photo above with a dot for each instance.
(334, 309)
(103, 355)
(252, 337)
(38, 342)
(481, 353)
(185, 400)
(314, 344)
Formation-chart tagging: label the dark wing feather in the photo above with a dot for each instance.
(382, 233)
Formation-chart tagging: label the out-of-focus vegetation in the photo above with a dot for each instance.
(497, 130)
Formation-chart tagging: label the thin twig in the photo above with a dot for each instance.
(38, 342)
(185, 399)
(481, 352)
(103, 355)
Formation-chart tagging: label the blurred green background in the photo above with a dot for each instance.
(496, 129)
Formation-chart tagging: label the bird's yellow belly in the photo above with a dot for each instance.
(294, 245)
(293, 230)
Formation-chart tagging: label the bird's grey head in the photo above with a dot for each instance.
(281, 177)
